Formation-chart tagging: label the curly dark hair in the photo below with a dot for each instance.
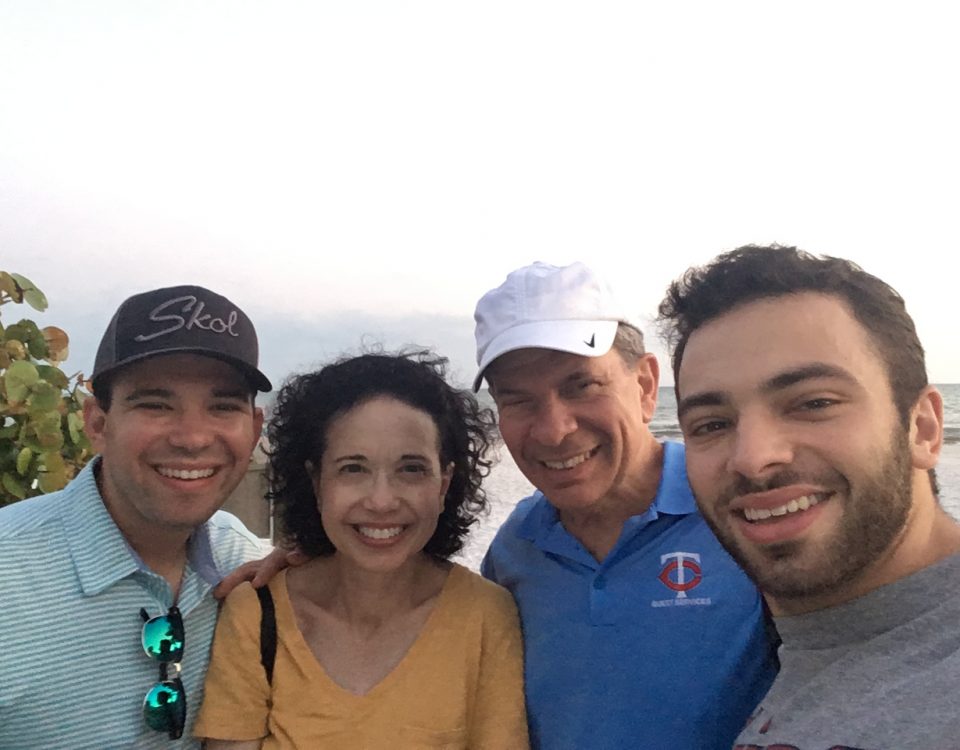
(307, 404)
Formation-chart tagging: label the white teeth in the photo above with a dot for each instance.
(185, 473)
(795, 505)
(379, 533)
(568, 463)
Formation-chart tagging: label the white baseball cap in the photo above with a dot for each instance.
(567, 308)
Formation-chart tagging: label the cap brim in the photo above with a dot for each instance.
(257, 379)
(587, 338)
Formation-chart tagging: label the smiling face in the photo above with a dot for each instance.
(795, 451)
(576, 426)
(175, 442)
(380, 487)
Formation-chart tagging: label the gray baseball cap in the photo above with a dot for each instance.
(180, 320)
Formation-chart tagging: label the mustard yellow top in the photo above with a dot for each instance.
(459, 686)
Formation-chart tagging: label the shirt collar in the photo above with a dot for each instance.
(100, 552)
(674, 495)
(200, 556)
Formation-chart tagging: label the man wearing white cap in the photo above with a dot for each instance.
(639, 630)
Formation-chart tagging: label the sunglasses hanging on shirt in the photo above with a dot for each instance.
(165, 705)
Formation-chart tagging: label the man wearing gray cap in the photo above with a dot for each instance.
(106, 617)
(639, 630)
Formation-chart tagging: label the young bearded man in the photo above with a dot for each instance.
(812, 435)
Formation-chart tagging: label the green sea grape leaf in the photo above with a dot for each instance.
(44, 398)
(19, 379)
(23, 461)
(13, 486)
(42, 442)
(54, 376)
(50, 440)
(75, 427)
(15, 349)
(17, 332)
(53, 462)
(29, 334)
(51, 481)
(38, 346)
(82, 444)
(8, 285)
(31, 295)
(46, 429)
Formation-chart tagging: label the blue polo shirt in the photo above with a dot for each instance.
(662, 645)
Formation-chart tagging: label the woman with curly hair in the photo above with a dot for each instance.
(375, 467)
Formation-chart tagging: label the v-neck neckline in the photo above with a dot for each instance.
(304, 655)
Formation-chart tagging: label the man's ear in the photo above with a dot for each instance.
(257, 427)
(647, 371)
(926, 429)
(94, 423)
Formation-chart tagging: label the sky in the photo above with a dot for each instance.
(360, 173)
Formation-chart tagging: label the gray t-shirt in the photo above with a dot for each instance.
(881, 672)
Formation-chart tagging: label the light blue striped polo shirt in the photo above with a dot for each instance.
(72, 670)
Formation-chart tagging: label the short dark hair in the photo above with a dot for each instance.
(309, 402)
(754, 272)
(102, 389)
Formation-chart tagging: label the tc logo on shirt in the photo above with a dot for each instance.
(680, 572)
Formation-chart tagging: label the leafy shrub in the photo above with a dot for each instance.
(42, 444)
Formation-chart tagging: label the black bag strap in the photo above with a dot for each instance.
(268, 631)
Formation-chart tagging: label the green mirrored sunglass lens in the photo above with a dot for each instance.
(165, 707)
(163, 638)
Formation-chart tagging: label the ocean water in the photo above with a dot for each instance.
(506, 485)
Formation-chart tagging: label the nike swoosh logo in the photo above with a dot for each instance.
(591, 343)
